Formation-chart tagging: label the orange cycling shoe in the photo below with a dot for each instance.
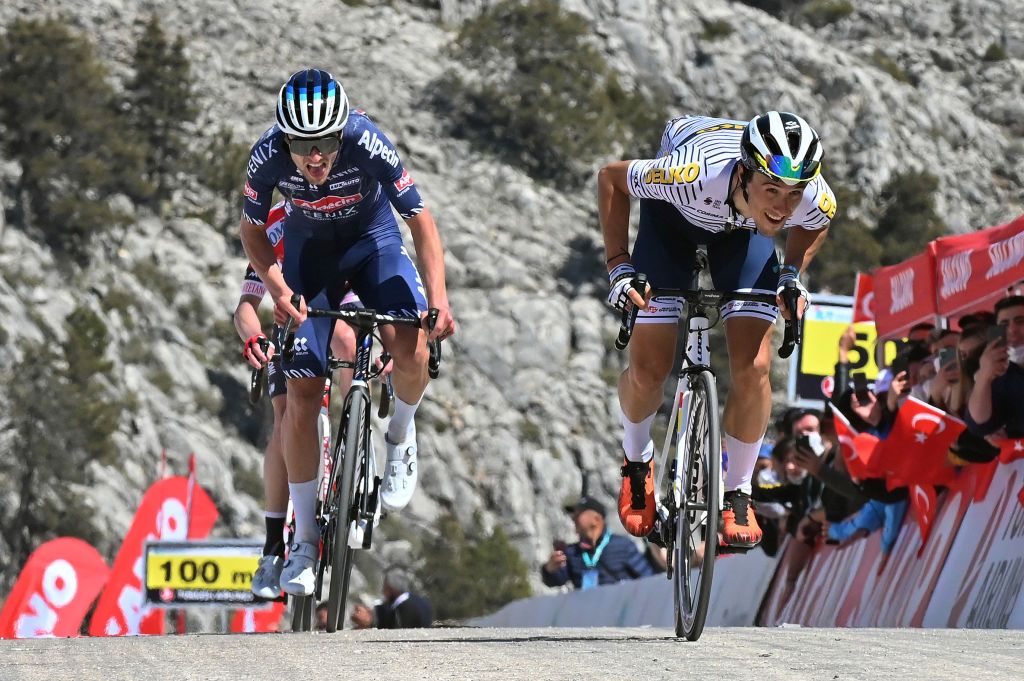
(739, 527)
(636, 497)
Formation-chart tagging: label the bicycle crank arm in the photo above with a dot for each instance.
(368, 515)
(387, 395)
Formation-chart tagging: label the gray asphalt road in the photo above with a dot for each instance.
(528, 655)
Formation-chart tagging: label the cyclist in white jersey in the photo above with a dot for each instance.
(733, 186)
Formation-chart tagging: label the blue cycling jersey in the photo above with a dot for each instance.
(339, 235)
(366, 176)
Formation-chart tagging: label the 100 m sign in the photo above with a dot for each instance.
(201, 572)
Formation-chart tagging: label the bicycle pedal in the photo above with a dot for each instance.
(725, 549)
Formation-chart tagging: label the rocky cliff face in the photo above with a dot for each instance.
(526, 402)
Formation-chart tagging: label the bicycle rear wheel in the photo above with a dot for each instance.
(696, 527)
(356, 426)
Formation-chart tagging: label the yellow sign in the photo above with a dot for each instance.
(200, 570)
(820, 349)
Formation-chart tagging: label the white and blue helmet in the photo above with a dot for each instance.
(312, 104)
(782, 146)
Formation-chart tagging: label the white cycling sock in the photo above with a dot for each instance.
(401, 426)
(637, 441)
(742, 458)
(304, 503)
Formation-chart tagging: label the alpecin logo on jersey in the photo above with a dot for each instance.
(404, 182)
(375, 145)
(328, 204)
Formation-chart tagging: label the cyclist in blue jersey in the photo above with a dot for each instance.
(733, 186)
(340, 176)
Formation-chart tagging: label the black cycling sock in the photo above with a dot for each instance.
(274, 545)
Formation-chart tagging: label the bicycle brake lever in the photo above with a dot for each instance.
(791, 338)
(288, 351)
(630, 312)
(434, 346)
(256, 385)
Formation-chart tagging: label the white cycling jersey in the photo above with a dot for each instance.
(693, 169)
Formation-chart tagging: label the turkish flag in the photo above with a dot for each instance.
(59, 582)
(1011, 450)
(162, 514)
(923, 500)
(867, 446)
(864, 298)
(915, 453)
(258, 620)
(847, 437)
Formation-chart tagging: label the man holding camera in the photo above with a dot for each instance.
(997, 401)
(599, 557)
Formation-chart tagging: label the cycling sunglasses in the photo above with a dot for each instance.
(304, 146)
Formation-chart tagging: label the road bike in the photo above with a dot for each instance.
(350, 508)
(688, 489)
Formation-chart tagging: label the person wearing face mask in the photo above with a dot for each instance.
(996, 404)
(599, 557)
(798, 492)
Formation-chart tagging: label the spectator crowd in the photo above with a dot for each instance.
(813, 485)
(807, 488)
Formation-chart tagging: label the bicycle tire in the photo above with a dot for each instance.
(356, 426)
(701, 471)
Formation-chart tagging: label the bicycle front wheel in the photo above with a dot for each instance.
(349, 451)
(696, 535)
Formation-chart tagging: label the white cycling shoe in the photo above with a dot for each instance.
(266, 583)
(298, 577)
(400, 473)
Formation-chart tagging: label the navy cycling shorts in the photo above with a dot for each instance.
(377, 268)
(276, 383)
(665, 250)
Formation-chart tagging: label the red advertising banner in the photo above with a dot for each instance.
(973, 269)
(162, 514)
(857, 585)
(905, 295)
(982, 581)
(53, 593)
(864, 298)
(258, 620)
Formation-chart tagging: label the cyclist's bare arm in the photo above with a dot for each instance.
(613, 212)
(247, 321)
(247, 324)
(802, 245)
(261, 255)
(430, 255)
